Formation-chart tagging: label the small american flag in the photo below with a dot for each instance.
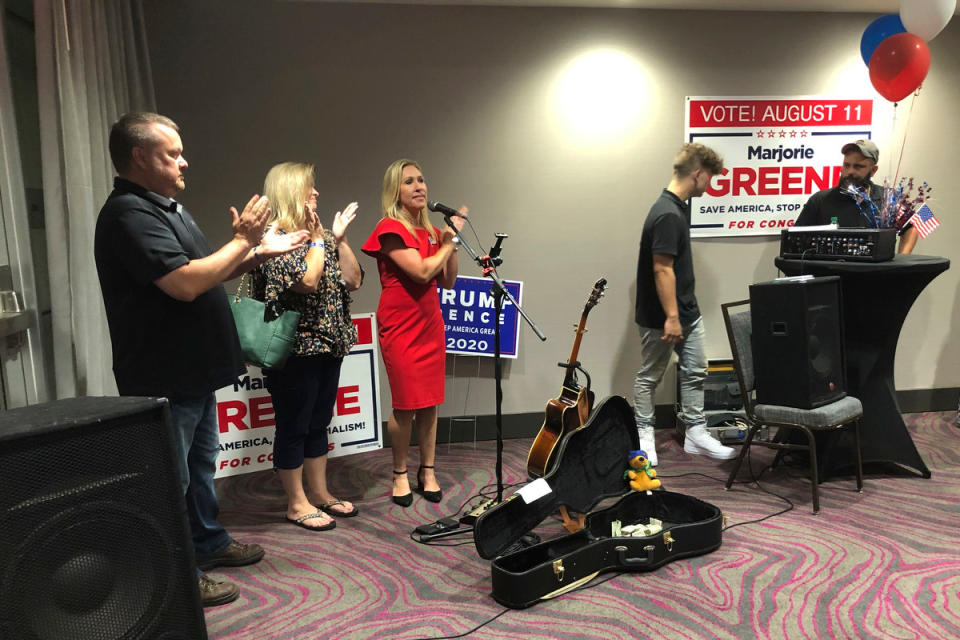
(924, 221)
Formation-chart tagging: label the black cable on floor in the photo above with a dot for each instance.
(754, 479)
(466, 633)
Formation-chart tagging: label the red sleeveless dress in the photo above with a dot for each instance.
(409, 323)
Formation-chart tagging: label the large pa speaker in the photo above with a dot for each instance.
(94, 540)
(798, 342)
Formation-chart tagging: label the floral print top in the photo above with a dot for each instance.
(325, 325)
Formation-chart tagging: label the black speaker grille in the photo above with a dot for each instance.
(797, 342)
(83, 570)
(93, 536)
(823, 342)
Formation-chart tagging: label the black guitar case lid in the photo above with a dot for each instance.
(590, 465)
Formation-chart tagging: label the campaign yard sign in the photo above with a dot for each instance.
(777, 151)
(468, 317)
(246, 420)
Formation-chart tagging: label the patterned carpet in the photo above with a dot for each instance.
(881, 564)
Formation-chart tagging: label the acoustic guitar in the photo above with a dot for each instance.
(570, 410)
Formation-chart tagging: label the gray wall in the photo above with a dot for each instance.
(470, 93)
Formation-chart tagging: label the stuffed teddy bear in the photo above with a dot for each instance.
(641, 474)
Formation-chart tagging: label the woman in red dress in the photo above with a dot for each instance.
(413, 257)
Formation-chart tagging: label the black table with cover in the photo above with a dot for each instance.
(876, 298)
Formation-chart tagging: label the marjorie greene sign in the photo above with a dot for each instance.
(776, 152)
(246, 420)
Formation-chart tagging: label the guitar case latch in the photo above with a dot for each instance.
(558, 569)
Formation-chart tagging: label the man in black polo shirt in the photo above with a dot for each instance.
(170, 324)
(836, 204)
(667, 310)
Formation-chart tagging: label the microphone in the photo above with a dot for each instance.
(439, 207)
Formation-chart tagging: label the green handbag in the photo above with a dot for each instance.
(266, 341)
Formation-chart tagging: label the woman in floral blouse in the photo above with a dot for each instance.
(314, 280)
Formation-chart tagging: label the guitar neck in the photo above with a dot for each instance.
(568, 379)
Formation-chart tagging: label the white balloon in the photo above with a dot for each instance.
(926, 18)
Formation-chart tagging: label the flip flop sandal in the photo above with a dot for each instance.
(327, 507)
(311, 516)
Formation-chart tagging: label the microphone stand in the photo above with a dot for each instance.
(488, 264)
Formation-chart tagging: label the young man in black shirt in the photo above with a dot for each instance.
(667, 310)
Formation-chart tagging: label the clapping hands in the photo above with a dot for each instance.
(274, 244)
(342, 220)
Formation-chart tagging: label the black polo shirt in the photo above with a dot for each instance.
(666, 231)
(161, 346)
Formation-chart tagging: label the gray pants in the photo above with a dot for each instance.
(691, 371)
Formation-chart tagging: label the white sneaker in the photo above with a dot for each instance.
(699, 442)
(648, 444)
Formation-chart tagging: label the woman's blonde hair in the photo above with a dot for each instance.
(288, 186)
(390, 198)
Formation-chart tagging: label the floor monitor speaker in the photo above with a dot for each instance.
(94, 540)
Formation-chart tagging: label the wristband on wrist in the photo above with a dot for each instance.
(317, 244)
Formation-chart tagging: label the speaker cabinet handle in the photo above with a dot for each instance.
(778, 328)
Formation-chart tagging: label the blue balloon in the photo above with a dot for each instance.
(878, 31)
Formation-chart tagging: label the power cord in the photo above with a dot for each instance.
(467, 633)
(754, 479)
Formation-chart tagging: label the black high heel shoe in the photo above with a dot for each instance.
(406, 499)
(431, 496)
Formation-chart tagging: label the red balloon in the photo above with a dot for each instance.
(898, 65)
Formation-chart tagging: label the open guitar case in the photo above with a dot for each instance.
(590, 467)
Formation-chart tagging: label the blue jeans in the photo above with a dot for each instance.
(691, 371)
(196, 445)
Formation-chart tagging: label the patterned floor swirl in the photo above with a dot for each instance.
(884, 563)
